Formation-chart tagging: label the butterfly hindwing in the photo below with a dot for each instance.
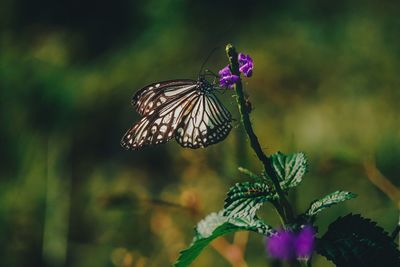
(207, 123)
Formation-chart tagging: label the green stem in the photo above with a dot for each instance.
(395, 233)
(285, 209)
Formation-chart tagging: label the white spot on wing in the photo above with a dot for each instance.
(178, 91)
(167, 118)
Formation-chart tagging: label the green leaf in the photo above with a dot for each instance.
(327, 201)
(250, 174)
(356, 241)
(289, 168)
(213, 226)
(244, 199)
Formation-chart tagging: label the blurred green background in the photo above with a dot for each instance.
(326, 82)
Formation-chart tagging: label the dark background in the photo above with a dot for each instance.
(326, 82)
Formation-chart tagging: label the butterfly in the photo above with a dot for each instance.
(187, 110)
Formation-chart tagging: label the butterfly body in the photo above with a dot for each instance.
(185, 109)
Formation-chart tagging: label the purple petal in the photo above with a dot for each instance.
(242, 58)
(245, 64)
(247, 69)
(228, 81)
(281, 245)
(225, 71)
(304, 243)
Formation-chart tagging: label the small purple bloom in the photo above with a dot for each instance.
(245, 64)
(225, 71)
(287, 245)
(304, 243)
(280, 245)
(227, 79)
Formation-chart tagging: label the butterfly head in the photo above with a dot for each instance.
(204, 85)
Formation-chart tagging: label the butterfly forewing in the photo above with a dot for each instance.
(160, 126)
(155, 95)
(207, 123)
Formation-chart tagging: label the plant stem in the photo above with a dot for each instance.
(395, 233)
(398, 225)
(284, 209)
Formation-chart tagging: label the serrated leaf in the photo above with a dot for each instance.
(355, 241)
(244, 199)
(290, 169)
(213, 226)
(327, 201)
(250, 174)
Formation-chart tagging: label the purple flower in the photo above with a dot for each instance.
(304, 243)
(287, 245)
(225, 71)
(245, 64)
(280, 245)
(227, 79)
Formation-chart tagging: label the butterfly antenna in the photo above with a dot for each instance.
(208, 57)
(211, 73)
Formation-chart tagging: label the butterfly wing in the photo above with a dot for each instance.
(159, 127)
(149, 98)
(208, 122)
